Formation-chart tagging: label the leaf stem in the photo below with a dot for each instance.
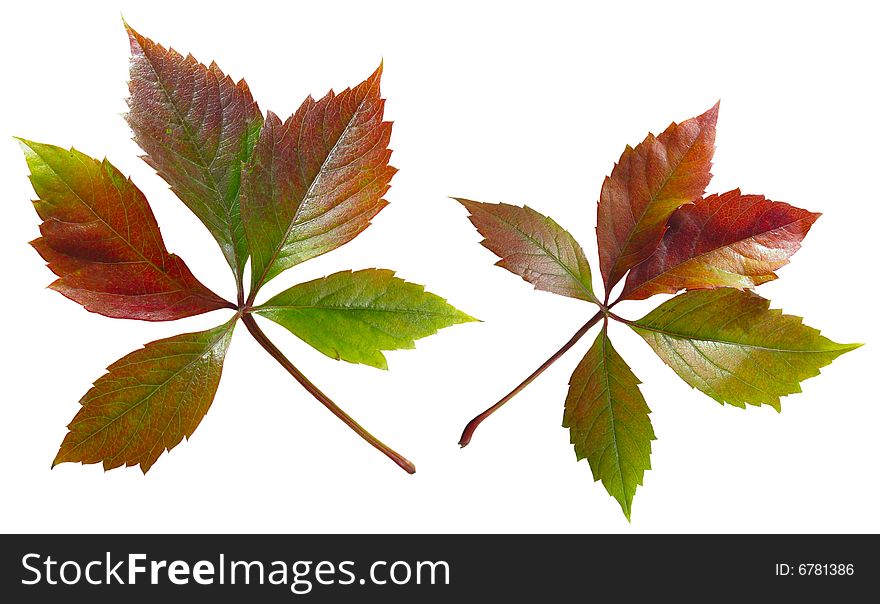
(474, 423)
(264, 341)
(620, 298)
(251, 298)
(239, 294)
(621, 319)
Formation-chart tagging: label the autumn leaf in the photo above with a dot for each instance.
(148, 401)
(353, 316)
(197, 128)
(647, 185)
(283, 192)
(317, 179)
(656, 226)
(101, 239)
(730, 345)
(607, 417)
(727, 240)
(534, 247)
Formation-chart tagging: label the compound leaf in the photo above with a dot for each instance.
(534, 247)
(317, 179)
(657, 227)
(148, 401)
(99, 236)
(292, 190)
(646, 186)
(730, 345)
(354, 316)
(727, 240)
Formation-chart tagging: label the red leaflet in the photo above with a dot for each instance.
(197, 127)
(316, 180)
(101, 239)
(727, 240)
(647, 185)
(534, 247)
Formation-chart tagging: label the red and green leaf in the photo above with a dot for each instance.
(148, 401)
(646, 186)
(534, 247)
(730, 345)
(293, 190)
(101, 239)
(656, 226)
(727, 240)
(316, 180)
(607, 417)
(197, 128)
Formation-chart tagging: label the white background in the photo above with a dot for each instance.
(497, 102)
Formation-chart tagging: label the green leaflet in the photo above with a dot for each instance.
(354, 316)
(608, 421)
(732, 346)
(148, 401)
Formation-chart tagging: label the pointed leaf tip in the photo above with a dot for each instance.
(377, 73)
(710, 116)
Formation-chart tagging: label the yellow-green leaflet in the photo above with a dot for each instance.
(607, 417)
(731, 345)
(354, 316)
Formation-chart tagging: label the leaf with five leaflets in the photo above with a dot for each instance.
(101, 239)
(148, 401)
(293, 190)
(655, 224)
(733, 347)
(317, 179)
(197, 128)
(608, 420)
(534, 247)
(646, 186)
(727, 240)
(354, 316)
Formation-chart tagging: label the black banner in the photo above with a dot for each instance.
(392, 568)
